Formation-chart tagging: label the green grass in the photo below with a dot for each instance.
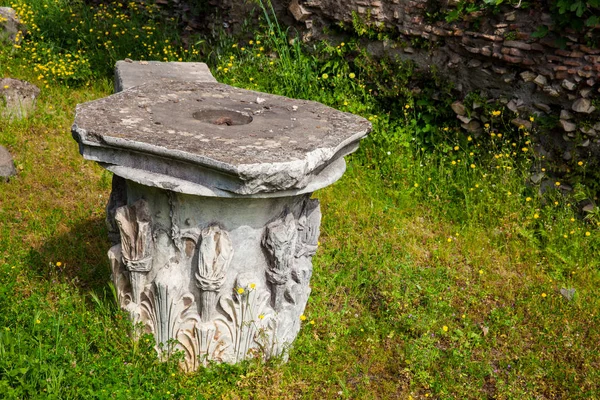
(433, 279)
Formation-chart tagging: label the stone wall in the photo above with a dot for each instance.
(493, 54)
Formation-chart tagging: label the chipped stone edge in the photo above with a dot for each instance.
(320, 168)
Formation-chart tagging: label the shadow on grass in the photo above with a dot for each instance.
(78, 256)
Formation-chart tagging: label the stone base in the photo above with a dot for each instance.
(221, 279)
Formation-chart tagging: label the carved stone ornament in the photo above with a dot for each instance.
(212, 224)
(214, 256)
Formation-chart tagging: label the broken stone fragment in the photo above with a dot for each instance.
(299, 12)
(510, 16)
(17, 98)
(537, 178)
(512, 106)
(544, 107)
(458, 108)
(568, 294)
(567, 126)
(540, 80)
(527, 76)
(518, 122)
(589, 207)
(564, 114)
(591, 132)
(464, 119)
(7, 165)
(499, 70)
(583, 106)
(550, 91)
(472, 126)
(9, 25)
(585, 92)
(567, 84)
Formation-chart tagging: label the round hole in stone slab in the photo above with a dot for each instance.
(222, 117)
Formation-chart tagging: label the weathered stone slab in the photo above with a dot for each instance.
(7, 166)
(17, 98)
(211, 139)
(135, 73)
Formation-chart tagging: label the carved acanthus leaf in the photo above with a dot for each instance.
(280, 245)
(119, 277)
(308, 229)
(245, 316)
(135, 225)
(164, 311)
(214, 257)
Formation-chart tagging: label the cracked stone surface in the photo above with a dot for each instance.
(212, 139)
